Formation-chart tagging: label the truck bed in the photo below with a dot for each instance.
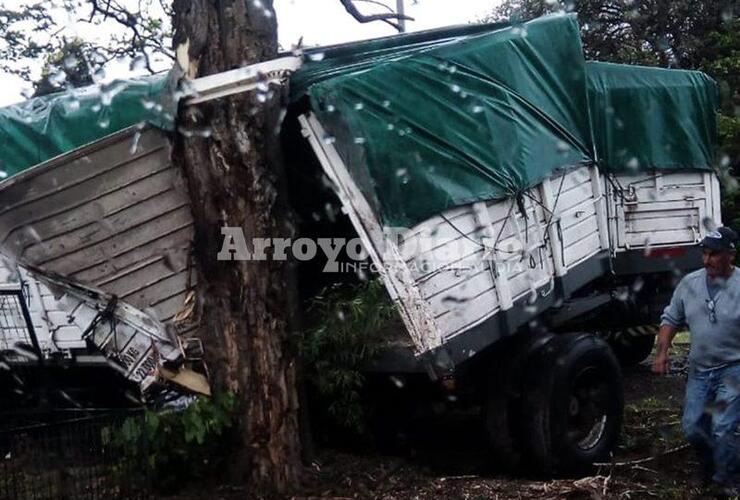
(464, 278)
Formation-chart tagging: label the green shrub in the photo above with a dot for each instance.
(176, 447)
(348, 326)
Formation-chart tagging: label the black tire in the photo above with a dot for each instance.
(633, 346)
(572, 405)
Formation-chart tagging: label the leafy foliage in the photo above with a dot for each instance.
(655, 32)
(349, 326)
(178, 446)
(76, 69)
(46, 31)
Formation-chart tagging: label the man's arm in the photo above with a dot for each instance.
(673, 317)
(665, 337)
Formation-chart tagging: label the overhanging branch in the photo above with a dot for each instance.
(388, 18)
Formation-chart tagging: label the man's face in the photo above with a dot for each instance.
(718, 263)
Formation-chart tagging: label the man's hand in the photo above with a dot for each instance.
(665, 336)
(660, 365)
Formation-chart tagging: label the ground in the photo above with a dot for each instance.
(452, 465)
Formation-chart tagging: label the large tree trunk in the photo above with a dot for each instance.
(235, 179)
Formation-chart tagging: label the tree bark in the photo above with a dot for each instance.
(228, 149)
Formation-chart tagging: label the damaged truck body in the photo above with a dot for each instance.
(525, 209)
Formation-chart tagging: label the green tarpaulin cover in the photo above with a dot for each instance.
(44, 127)
(652, 118)
(482, 117)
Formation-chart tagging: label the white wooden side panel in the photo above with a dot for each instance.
(450, 255)
(663, 209)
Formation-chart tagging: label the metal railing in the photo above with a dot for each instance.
(18, 339)
(72, 458)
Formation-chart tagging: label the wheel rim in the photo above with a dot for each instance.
(588, 409)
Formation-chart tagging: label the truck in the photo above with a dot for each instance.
(527, 210)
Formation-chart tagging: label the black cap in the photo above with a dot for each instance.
(722, 238)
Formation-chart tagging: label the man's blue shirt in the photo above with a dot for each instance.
(715, 338)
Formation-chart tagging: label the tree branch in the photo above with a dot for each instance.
(389, 18)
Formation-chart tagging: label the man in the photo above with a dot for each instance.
(708, 302)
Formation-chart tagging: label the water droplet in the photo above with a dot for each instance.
(330, 108)
(360, 140)
(455, 88)
(724, 162)
(135, 143)
(478, 109)
(72, 104)
(386, 103)
(57, 78)
(359, 106)
(3, 174)
(403, 175)
(633, 163)
(318, 56)
(397, 381)
(31, 231)
(104, 123)
(341, 316)
(329, 139)
(70, 62)
(638, 284)
(563, 147)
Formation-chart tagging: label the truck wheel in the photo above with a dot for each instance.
(572, 404)
(634, 345)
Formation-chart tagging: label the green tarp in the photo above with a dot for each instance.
(476, 118)
(44, 127)
(323, 63)
(652, 118)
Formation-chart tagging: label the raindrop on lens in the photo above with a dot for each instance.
(58, 77)
(70, 62)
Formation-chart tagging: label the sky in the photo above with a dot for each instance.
(318, 22)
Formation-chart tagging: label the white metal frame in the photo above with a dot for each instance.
(414, 310)
(243, 79)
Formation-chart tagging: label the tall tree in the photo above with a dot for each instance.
(235, 179)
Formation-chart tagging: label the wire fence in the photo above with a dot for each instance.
(63, 458)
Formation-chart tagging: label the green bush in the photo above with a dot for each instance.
(176, 447)
(348, 326)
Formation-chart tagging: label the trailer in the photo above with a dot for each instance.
(527, 211)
